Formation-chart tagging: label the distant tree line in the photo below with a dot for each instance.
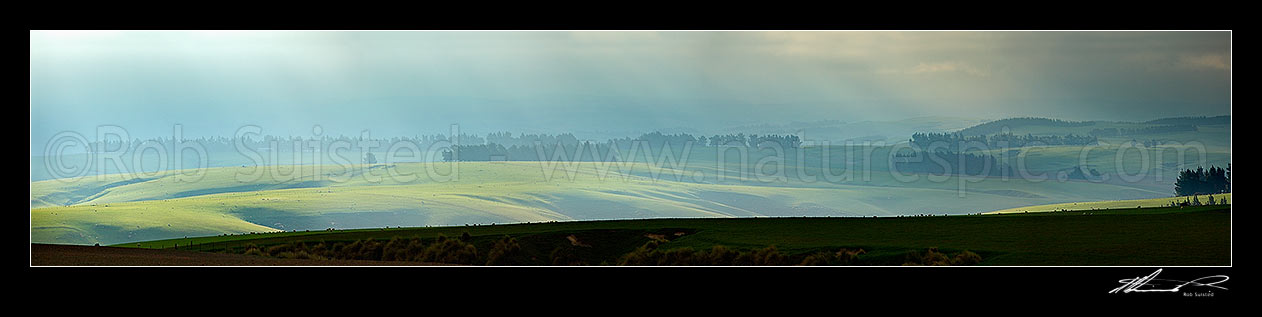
(504, 139)
(740, 140)
(521, 151)
(542, 152)
(998, 126)
(1203, 181)
(958, 141)
(1010, 140)
(507, 139)
(658, 139)
(754, 140)
(1145, 130)
(280, 143)
(1201, 120)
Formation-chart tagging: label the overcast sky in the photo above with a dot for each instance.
(406, 82)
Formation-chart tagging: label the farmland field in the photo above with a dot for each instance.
(1148, 236)
(1111, 204)
(712, 182)
(704, 182)
(116, 210)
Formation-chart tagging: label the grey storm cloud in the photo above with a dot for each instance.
(409, 82)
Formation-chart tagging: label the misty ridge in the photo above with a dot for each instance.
(993, 133)
(964, 151)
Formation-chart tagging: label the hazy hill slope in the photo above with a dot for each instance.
(1046, 126)
(497, 192)
(1111, 204)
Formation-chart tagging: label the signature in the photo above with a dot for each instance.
(1151, 283)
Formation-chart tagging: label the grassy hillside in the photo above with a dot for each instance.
(1149, 236)
(114, 210)
(118, 208)
(1110, 204)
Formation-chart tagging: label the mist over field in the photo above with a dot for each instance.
(607, 84)
(143, 135)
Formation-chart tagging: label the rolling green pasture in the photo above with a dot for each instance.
(499, 192)
(1148, 236)
(117, 208)
(1112, 204)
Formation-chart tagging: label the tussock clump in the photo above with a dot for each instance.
(251, 249)
(817, 259)
(966, 258)
(444, 250)
(841, 257)
(452, 251)
(506, 251)
(254, 251)
(302, 254)
(398, 249)
(935, 258)
(648, 255)
(565, 255)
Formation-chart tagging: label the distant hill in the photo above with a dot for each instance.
(1202, 120)
(998, 125)
(859, 131)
